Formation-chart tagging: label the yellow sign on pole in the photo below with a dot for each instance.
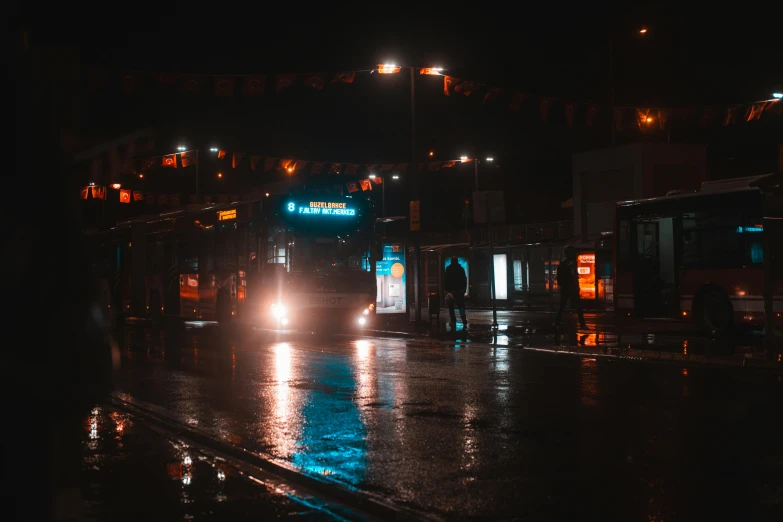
(415, 216)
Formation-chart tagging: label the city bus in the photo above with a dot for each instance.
(292, 261)
(319, 268)
(696, 255)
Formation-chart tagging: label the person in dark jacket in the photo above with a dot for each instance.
(456, 284)
(568, 284)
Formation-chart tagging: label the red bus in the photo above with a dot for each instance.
(694, 256)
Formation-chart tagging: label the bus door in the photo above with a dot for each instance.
(655, 272)
(648, 290)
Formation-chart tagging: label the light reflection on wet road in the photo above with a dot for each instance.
(473, 430)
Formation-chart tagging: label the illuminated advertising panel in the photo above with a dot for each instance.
(500, 264)
(585, 269)
(390, 280)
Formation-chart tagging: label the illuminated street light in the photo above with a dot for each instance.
(141, 176)
(432, 153)
(396, 176)
(267, 194)
(463, 159)
(643, 30)
(490, 158)
(777, 95)
(181, 148)
(649, 119)
(388, 68)
(213, 149)
(220, 174)
(372, 176)
(290, 169)
(116, 186)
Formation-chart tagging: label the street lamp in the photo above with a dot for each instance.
(476, 161)
(642, 31)
(392, 68)
(777, 95)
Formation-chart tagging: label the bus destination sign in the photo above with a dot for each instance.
(321, 208)
(227, 215)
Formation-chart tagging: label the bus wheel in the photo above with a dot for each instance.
(223, 306)
(155, 314)
(714, 312)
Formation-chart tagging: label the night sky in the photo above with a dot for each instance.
(685, 59)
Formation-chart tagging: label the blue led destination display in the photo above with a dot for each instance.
(321, 208)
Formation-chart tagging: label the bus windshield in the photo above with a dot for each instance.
(315, 254)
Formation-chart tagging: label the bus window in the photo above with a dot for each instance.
(711, 241)
(327, 254)
(623, 245)
(752, 235)
(276, 247)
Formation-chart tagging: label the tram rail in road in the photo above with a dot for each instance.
(331, 497)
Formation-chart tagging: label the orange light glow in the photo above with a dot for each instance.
(432, 153)
(643, 30)
(684, 313)
(585, 264)
(290, 169)
(386, 68)
(434, 71)
(116, 186)
(649, 119)
(220, 174)
(141, 176)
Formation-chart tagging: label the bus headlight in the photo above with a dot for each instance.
(362, 321)
(366, 312)
(278, 311)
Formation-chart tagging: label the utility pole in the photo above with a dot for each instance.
(416, 234)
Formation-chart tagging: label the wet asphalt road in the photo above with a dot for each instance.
(466, 430)
(131, 472)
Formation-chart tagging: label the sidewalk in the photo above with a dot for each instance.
(607, 335)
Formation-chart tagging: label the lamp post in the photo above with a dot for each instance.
(391, 68)
(182, 149)
(642, 31)
(383, 196)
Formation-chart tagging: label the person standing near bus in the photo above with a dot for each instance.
(456, 285)
(568, 283)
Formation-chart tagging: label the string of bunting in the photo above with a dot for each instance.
(259, 163)
(252, 85)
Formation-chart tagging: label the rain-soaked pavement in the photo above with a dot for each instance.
(471, 430)
(131, 472)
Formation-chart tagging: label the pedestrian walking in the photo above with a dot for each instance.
(456, 284)
(568, 284)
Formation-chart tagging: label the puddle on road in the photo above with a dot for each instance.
(130, 472)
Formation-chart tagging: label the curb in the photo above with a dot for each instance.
(753, 361)
(375, 507)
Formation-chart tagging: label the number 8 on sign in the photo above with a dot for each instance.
(291, 207)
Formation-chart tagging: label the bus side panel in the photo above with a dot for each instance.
(188, 296)
(207, 293)
(744, 287)
(623, 291)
